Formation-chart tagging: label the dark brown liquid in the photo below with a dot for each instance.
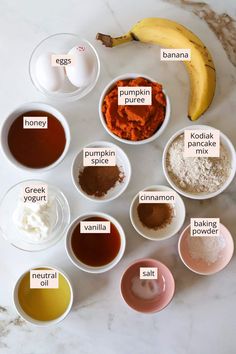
(36, 148)
(95, 249)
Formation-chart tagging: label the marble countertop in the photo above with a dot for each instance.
(202, 316)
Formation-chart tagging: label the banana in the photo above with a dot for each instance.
(170, 34)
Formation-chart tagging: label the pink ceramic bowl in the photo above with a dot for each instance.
(199, 266)
(164, 287)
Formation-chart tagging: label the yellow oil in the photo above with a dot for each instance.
(44, 304)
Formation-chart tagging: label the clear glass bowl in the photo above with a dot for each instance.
(61, 43)
(19, 238)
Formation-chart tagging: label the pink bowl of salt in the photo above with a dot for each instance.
(210, 261)
(147, 295)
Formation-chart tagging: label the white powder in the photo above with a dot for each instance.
(197, 174)
(206, 248)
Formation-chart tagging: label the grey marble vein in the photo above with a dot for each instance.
(223, 25)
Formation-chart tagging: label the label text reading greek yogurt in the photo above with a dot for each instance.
(35, 122)
(175, 54)
(99, 157)
(204, 227)
(202, 143)
(148, 273)
(137, 95)
(44, 278)
(157, 197)
(62, 60)
(35, 193)
(98, 227)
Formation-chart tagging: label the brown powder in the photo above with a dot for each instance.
(97, 180)
(155, 215)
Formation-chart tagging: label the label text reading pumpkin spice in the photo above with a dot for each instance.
(99, 156)
(134, 95)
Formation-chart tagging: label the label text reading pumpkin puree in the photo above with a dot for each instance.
(134, 95)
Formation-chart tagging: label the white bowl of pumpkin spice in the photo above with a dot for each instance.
(198, 177)
(101, 183)
(154, 220)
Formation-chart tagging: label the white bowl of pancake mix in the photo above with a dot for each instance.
(200, 177)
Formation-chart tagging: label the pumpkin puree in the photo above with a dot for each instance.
(136, 122)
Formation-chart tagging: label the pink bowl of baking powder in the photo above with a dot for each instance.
(147, 296)
(200, 265)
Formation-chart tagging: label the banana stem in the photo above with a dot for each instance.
(110, 42)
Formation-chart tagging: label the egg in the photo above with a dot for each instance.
(51, 78)
(82, 68)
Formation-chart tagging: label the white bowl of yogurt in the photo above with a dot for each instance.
(34, 215)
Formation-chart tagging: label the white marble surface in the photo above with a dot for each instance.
(202, 317)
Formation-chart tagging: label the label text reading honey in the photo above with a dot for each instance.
(35, 122)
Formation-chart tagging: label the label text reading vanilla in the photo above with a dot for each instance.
(148, 273)
(44, 278)
(204, 227)
(35, 193)
(175, 54)
(99, 157)
(35, 122)
(157, 197)
(97, 227)
(202, 143)
(136, 95)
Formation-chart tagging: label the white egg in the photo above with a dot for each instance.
(50, 77)
(80, 72)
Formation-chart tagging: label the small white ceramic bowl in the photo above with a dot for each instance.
(130, 142)
(27, 107)
(226, 143)
(83, 266)
(165, 232)
(31, 320)
(122, 162)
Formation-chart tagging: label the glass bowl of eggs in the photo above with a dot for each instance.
(64, 67)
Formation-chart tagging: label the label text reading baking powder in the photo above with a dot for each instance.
(204, 227)
(99, 157)
(136, 95)
(202, 143)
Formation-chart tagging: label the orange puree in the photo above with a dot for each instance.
(137, 122)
